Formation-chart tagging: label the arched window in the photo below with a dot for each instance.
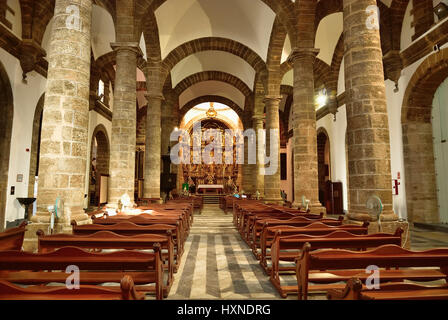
(101, 90)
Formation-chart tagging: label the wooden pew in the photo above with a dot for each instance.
(196, 201)
(127, 228)
(342, 265)
(184, 207)
(12, 239)
(105, 240)
(146, 220)
(166, 212)
(9, 291)
(300, 221)
(288, 249)
(95, 268)
(355, 290)
(252, 219)
(317, 228)
(246, 214)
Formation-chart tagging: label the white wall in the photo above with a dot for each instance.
(25, 99)
(95, 119)
(336, 131)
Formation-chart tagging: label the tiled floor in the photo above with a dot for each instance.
(217, 263)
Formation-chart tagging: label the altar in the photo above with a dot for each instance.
(210, 189)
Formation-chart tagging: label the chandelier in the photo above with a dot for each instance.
(211, 113)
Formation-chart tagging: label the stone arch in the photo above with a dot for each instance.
(213, 43)
(282, 8)
(102, 156)
(150, 31)
(324, 162)
(273, 62)
(288, 91)
(418, 148)
(7, 112)
(217, 99)
(35, 145)
(216, 76)
(397, 12)
(325, 8)
(106, 64)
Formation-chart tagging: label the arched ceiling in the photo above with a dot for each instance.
(190, 37)
(208, 61)
(103, 31)
(327, 36)
(216, 88)
(225, 113)
(249, 22)
(286, 49)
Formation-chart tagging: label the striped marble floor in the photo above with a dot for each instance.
(217, 263)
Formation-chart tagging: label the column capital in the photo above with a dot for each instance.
(272, 99)
(158, 96)
(258, 117)
(300, 54)
(130, 46)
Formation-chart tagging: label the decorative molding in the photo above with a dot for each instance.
(424, 46)
(129, 46)
(102, 109)
(303, 54)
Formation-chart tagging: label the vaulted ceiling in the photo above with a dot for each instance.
(216, 47)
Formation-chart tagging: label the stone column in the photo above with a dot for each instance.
(151, 188)
(124, 123)
(258, 178)
(63, 149)
(304, 126)
(367, 119)
(272, 181)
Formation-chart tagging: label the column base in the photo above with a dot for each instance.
(388, 224)
(277, 201)
(316, 208)
(42, 222)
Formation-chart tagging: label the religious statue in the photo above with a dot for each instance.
(210, 178)
(230, 185)
(185, 189)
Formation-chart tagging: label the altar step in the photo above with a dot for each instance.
(211, 199)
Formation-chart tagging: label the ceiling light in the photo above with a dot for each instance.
(322, 98)
(211, 113)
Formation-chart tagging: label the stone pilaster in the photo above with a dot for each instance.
(258, 178)
(248, 185)
(124, 123)
(272, 179)
(304, 127)
(168, 122)
(63, 150)
(367, 120)
(151, 188)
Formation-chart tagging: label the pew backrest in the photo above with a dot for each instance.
(12, 239)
